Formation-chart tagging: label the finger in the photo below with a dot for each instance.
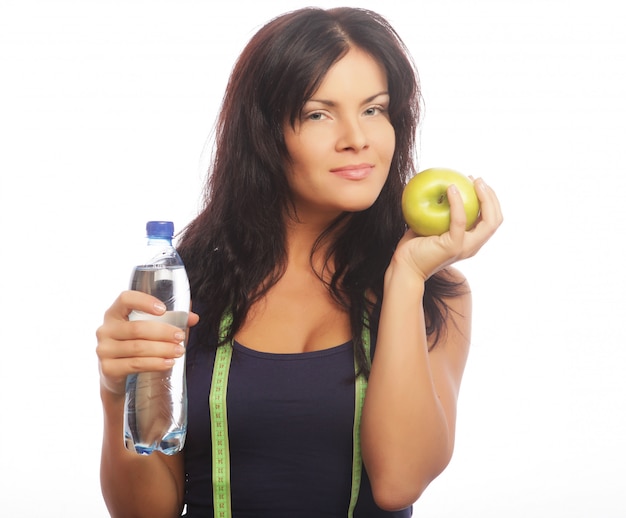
(491, 212)
(489, 220)
(193, 319)
(458, 218)
(140, 350)
(151, 330)
(115, 370)
(121, 357)
(131, 300)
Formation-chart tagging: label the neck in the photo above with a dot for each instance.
(302, 236)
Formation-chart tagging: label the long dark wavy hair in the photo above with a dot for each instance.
(234, 250)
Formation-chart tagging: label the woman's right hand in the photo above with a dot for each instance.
(427, 255)
(126, 347)
(136, 485)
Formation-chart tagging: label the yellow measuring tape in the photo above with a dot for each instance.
(360, 384)
(220, 450)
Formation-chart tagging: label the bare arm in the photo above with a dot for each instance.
(410, 408)
(409, 415)
(135, 485)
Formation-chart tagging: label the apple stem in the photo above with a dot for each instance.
(441, 199)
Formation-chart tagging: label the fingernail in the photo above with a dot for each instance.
(179, 350)
(179, 335)
(453, 189)
(159, 306)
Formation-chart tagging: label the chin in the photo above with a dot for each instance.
(358, 209)
(358, 205)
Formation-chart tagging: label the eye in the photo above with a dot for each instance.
(315, 116)
(374, 110)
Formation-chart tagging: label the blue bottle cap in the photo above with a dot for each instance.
(160, 229)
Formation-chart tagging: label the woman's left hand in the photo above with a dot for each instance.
(428, 255)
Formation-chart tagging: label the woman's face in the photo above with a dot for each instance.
(342, 145)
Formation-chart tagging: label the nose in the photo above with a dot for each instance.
(351, 136)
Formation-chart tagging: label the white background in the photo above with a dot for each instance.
(105, 111)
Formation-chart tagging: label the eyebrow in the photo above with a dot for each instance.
(332, 103)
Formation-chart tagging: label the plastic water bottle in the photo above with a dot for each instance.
(155, 409)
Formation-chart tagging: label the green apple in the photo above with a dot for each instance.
(425, 203)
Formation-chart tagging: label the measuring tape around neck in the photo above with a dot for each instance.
(220, 449)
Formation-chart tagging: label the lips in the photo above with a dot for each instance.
(353, 172)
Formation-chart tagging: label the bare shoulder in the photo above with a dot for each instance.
(449, 356)
(455, 274)
(460, 305)
(451, 351)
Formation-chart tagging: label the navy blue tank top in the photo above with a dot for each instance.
(290, 423)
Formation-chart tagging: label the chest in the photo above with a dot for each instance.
(286, 404)
(278, 401)
(290, 427)
(297, 315)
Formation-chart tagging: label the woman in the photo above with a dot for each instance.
(305, 279)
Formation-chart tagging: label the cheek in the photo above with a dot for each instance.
(300, 151)
(299, 167)
(387, 144)
(392, 142)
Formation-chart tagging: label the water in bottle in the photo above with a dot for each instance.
(155, 410)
